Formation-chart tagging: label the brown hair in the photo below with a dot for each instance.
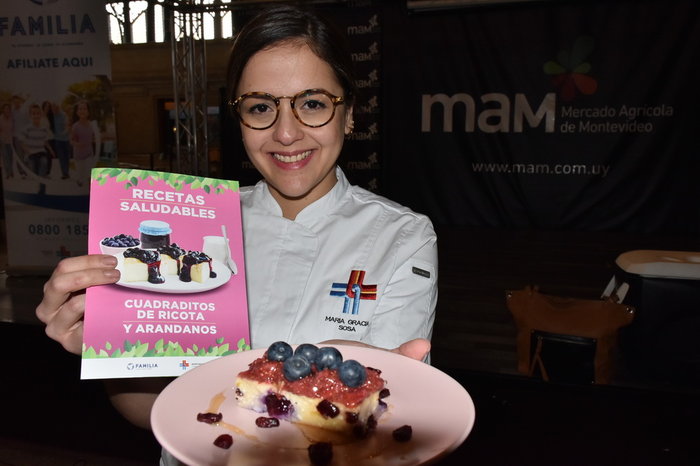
(292, 23)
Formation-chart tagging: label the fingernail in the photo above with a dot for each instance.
(110, 261)
(111, 273)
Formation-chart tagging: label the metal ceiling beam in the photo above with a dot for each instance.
(189, 62)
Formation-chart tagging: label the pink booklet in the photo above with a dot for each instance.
(181, 299)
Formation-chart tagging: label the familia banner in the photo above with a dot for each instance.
(548, 115)
(57, 122)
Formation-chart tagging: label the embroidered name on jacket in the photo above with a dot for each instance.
(353, 291)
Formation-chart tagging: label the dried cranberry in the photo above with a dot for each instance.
(351, 418)
(320, 453)
(327, 409)
(277, 405)
(209, 418)
(224, 441)
(375, 370)
(403, 433)
(266, 422)
(239, 392)
(384, 393)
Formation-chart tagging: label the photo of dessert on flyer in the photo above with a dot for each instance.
(151, 259)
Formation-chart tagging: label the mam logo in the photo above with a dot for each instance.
(502, 113)
(43, 2)
(371, 27)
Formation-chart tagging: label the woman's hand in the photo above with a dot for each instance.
(415, 349)
(63, 305)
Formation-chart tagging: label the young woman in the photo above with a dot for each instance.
(83, 137)
(306, 229)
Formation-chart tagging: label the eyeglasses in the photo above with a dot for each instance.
(312, 107)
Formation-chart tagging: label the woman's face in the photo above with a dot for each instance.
(296, 161)
(82, 111)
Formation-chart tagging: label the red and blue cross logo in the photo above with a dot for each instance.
(353, 291)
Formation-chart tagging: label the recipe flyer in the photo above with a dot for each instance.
(181, 298)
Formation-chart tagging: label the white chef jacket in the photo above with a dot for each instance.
(352, 265)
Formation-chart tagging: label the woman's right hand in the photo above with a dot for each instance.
(63, 306)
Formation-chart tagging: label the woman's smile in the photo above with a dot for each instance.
(291, 157)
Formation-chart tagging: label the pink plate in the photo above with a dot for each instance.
(439, 410)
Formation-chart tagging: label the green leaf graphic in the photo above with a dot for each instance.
(141, 350)
(223, 349)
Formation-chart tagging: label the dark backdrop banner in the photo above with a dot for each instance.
(549, 115)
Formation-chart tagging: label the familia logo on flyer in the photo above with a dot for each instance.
(181, 292)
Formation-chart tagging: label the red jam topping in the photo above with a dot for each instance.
(263, 370)
(324, 384)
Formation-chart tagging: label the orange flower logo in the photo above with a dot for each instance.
(570, 71)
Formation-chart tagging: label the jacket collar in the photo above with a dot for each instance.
(262, 199)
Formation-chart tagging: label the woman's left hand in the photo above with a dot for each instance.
(415, 349)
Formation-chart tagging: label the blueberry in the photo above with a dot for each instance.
(277, 405)
(307, 350)
(279, 351)
(327, 409)
(352, 373)
(121, 241)
(328, 358)
(296, 367)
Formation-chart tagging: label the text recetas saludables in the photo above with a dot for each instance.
(167, 203)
